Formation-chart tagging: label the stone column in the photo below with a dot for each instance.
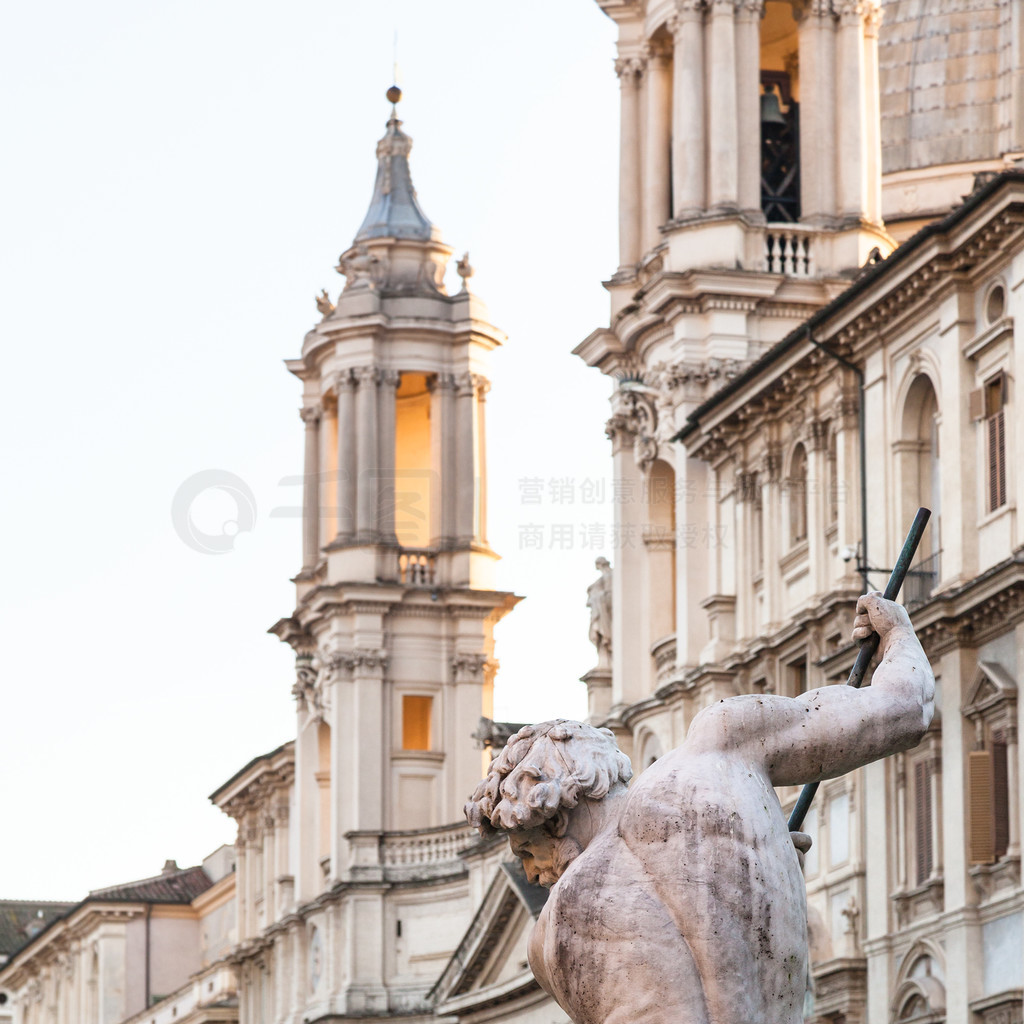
(345, 389)
(480, 530)
(388, 381)
(465, 459)
(283, 887)
(657, 146)
(816, 35)
(817, 504)
(311, 489)
(689, 131)
(771, 520)
(629, 70)
(1012, 792)
(366, 454)
(723, 129)
(241, 875)
(873, 121)
(935, 783)
(743, 486)
(442, 440)
(850, 109)
(748, 102)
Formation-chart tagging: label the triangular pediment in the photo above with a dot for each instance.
(490, 959)
(992, 684)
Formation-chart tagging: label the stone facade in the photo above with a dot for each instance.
(362, 891)
(146, 951)
(740, 385)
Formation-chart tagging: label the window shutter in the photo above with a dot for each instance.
(923, 820)
(976, 404)
(995, 443)
(981, 840)
(1000, 795)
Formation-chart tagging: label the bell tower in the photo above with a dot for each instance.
(393, 628)
(749, 196)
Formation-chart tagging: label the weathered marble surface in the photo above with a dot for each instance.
(679, 900)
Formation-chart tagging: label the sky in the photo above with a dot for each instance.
(179, 182)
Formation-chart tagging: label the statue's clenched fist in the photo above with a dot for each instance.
(877, 615)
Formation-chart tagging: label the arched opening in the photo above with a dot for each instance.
(796, 490)
(660, 545)
(780, 114)
(413, 461)
(920, 481)
(323, 781)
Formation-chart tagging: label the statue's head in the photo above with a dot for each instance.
(602, 563)
(534, 786)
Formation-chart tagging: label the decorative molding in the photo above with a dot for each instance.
(311, 414)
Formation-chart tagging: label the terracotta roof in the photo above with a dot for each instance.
(22, 920)
(169, 887)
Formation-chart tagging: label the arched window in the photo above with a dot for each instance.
(796, 486)
(921, 484)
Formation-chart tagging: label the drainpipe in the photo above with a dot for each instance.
(862, 561)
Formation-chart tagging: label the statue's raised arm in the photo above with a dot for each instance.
(834, 729)
(679, 900)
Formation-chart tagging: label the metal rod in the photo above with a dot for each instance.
(870, 645)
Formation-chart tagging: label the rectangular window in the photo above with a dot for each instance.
(995, 442)
(798, 676)
(416, 713)
(923, 823)
(839, 829)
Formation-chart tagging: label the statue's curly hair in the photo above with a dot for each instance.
(542, 773)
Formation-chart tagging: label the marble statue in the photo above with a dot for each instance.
(680, 899)
(599, 601)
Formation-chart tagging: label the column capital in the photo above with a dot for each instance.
(722, 6)
(441, 382)
(850, 10)
(342, 381)
(771, 462)
(656, 55)
(365, 374)
(817, 435)
(311, 414)
(685, 11)
(754, 8)
(471, 383)
(629, 69)
(389, 378)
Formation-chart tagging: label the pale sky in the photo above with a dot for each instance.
(179, 179)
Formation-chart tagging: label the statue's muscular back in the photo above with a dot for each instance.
(692, 911)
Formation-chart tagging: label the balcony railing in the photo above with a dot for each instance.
(921, 581)
(788, 250)
(416, 567)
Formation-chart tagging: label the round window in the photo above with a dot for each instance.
(995, 304)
